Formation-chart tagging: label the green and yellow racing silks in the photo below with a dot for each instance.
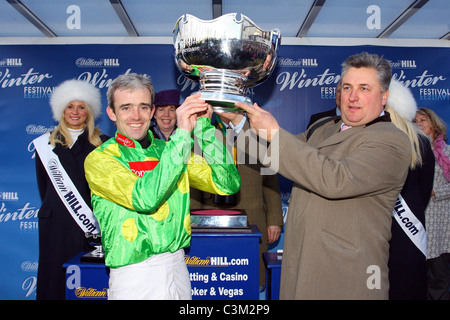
(141, 196)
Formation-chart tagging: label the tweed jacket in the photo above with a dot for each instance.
(316, 116)
(340, 212)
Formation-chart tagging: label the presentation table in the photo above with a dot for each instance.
(222, 266)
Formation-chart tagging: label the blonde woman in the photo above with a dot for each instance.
(438, 210)
(407, 263)
(75, 105)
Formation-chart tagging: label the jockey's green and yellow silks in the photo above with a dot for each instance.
(141, 196)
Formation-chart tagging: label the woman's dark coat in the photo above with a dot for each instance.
(407, 264)
(60, 237)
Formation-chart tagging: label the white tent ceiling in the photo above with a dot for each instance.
(385, 19)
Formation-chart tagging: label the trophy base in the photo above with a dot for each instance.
(224, 102)
(95, 256)
(234, 219)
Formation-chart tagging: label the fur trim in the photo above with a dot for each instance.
(402, 100)
(71, 90)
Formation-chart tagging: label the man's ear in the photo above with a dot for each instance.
(385, 96)
(111, 113)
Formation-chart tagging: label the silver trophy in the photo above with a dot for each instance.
(226, 56)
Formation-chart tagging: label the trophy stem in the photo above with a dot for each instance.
(222, 79)
(222, 88)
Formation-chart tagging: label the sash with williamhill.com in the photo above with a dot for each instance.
(64, 187)
(410, 224)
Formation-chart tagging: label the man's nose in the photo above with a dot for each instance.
(135, 113)
(353, 96)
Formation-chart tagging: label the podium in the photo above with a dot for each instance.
(222, 266)
(272, 262)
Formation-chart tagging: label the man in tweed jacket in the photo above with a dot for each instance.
(345, 187)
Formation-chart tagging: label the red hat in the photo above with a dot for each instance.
(167, 97)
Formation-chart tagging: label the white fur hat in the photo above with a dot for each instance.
(71, 90)
(402, 100)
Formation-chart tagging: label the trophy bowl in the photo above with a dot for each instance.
(226, 56)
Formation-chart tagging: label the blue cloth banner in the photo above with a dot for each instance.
(303, 83)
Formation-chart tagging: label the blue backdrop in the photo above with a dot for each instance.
(303, 83)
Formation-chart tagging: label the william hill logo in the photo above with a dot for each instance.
(111, 62)
(404, 64)
(11, 62)
(102, 62)
(90, 293)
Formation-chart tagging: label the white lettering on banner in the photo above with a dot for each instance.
(111, 62)
(8, 196)
(29, 266)
(328, 92)
(434, 94)
(24, 213)
(403, 64)
(230, 293)
(37, 92)
(24, 79)
(233, 277)
(11, 62)
(31, 148)
(423, 80)
(186, 84)
(214, 279)
(38, 130)
(99, 79)
(223, 261)
(88, 62)
(300, 80)
(28, 226)
(29, 285)
(83, 62)
(292, 80)
(195, 276)
(7, 80)
(216, 261)
(300, 62)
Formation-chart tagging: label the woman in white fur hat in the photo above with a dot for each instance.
(407, 263)
(75, 105)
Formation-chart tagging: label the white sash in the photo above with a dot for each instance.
(64, 186)
(410, 224)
